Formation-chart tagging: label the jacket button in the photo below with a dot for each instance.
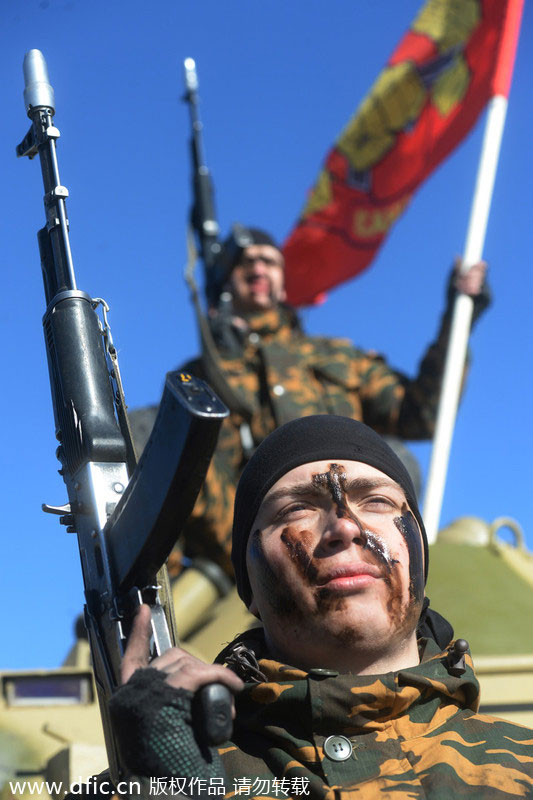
(319, 672)
(278, 389)
(338, 748)
(253, 337)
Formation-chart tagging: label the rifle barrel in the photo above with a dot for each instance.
(38, 92)
(58, 267)
(203, 214)
(191, 77)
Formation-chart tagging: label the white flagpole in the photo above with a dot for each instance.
(462, 317)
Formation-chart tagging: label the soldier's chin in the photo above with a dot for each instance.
(365, 619)
(261, 301)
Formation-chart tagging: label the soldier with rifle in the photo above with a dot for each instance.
(351, 687)
(125, 514)
(268, 371)
(333, 567)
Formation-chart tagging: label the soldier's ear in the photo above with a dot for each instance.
(252, 608)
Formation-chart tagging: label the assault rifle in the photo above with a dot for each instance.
(217, 260)
(203, 216)
(126, 516)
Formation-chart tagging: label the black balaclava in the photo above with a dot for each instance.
(318, 438)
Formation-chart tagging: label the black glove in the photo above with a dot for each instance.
(153, 725)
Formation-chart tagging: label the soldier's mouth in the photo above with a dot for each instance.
(354, 576)
(259, 285)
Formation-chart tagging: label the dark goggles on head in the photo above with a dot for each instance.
(248, 261)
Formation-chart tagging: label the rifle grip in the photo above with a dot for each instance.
(213, 723)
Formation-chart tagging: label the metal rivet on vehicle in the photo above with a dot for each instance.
(278, 389)
(118, 487)
(338, 748)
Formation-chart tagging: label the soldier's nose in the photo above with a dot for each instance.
(341, 532)
(258, 267)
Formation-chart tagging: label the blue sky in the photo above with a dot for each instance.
(278, 81)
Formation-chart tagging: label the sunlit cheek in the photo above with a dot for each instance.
(401, 554)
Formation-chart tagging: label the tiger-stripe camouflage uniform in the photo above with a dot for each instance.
(413, 734)
(282, 374)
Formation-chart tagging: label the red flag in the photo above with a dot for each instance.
(456, 55)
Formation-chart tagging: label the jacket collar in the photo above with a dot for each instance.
(354, 703)
(274, 323)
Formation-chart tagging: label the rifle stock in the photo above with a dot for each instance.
(126, 518)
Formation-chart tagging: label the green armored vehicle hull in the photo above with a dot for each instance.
(50, 730)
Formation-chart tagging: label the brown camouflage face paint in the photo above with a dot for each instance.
(279, 596)
(407, 526)
(299, 544)
(335, 481)
(300, 547)
(279, 592)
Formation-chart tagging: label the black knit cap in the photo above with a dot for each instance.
(241, 238)
(315, 438)
(260, 236)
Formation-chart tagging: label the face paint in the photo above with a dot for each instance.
(299, 544)
(280, 598)
(335, 481)
(381, 550)
(278, 592)
(407, 526)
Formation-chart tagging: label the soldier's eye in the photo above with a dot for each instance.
(377, 502)
(293, 509)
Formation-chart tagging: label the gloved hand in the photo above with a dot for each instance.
(473, 283)
(152, 712)
(153, 725)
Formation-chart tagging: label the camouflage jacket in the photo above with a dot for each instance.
(282, 374)
(413, 734)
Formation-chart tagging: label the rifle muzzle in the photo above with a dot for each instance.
(38, 92)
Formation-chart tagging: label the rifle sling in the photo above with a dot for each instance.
(213, 373)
